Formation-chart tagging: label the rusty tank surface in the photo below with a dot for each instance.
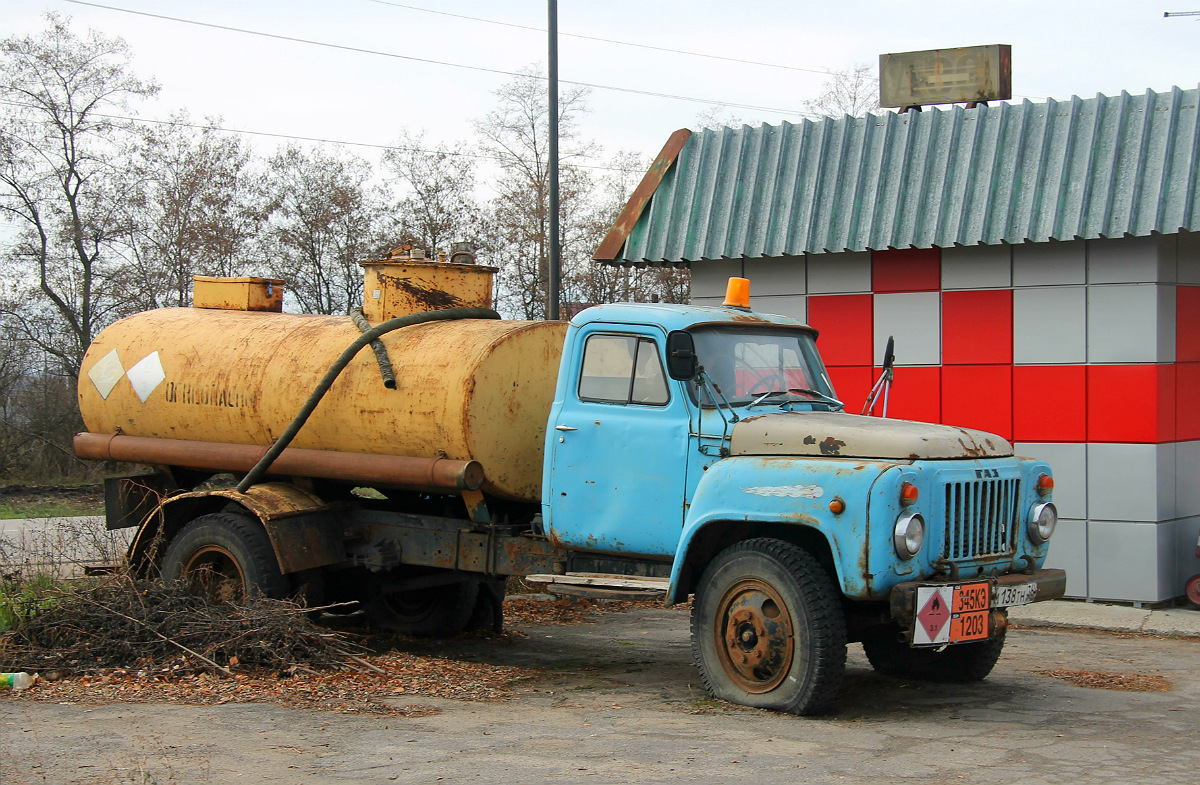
(467, 390)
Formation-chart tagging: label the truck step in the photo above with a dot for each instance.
(603, 586)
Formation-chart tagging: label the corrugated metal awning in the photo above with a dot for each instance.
(1084, 168)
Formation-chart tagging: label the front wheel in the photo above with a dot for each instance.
(768, 629)
(961, 663)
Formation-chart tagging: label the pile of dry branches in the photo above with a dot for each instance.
(124, 623)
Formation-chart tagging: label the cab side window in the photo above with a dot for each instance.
(622, 369)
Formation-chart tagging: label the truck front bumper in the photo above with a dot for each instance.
(936, 613)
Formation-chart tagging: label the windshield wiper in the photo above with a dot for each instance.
(820, 396)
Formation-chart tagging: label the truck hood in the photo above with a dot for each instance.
(834, 434)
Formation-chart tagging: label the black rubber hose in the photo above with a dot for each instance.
(260, 468)
(381, 355)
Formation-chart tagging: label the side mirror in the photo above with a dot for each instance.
(682, 364)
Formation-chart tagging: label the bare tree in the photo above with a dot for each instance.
(516, 132)
(194, 211)
(324, 218)
(439, 206)
(62, 182)
(854, 92)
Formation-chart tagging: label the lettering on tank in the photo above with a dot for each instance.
(208, 395)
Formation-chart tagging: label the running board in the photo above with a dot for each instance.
(603, 586)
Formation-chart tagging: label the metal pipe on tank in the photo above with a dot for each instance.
(383, 470)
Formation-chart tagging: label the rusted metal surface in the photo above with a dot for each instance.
(237, 294)
(946, 76)
(383, 470)
(395, 287)
(611, 245)
(452, 544)
(473, 389)
(855, 436)
(754, 639)
(129, 501)
(477, 509)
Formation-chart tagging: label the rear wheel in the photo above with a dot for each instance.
(958, 664)
(440, 611)
(226, 556)
(768, 629)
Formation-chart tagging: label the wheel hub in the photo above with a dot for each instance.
(755, 641)
(213, 570)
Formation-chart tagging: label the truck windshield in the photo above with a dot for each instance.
(747, 364)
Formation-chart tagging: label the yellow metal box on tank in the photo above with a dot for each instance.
(475, 389)
(409, 283)
(237, 294)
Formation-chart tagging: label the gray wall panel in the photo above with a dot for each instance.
(1068, 462)
(1050, 263)
(1131, 482)
(1123, 324)
(839, 273)
(1068, 551)
(1129, 561)
(1127, 260)
(1055, 312)
(777, 275)
(915, 320)
(709, 278)
(977, 267)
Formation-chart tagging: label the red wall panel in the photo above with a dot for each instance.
(906, 270)
(917, 394)
(852, 384)
(1050, 403)
(1187, 324)
(1187, 405)
(1131, 403)
(977, 327)
(846, 322)
(978, 396)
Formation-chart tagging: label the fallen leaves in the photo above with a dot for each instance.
(1100, 680)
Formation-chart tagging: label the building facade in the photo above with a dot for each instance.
(1037, 264)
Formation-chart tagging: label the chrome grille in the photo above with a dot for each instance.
(981, 518)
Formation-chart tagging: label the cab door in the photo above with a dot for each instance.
(618, 446)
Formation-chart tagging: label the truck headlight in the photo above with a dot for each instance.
(909, 535)
(1042, 520)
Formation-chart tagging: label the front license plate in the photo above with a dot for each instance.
(1019, 594)
(952, 613)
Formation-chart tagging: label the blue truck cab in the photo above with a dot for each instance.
(707, 445)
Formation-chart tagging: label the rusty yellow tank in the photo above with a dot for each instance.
(473, 389)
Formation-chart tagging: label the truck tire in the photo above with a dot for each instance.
(225, 555)
(433, 612)
(959, 664)
(768, 629)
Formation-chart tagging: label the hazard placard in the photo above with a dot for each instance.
(934, 604)
(954, 613)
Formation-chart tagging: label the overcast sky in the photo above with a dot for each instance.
(254, 83)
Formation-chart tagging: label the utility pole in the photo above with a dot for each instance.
(555, 261)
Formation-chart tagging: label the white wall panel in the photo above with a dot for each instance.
(1131, 323)
(1068, 551)
(1130, 561)
(709, 278)
(793, 305)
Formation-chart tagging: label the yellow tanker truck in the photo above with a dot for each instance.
(640, 450)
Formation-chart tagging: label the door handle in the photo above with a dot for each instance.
(564, 428)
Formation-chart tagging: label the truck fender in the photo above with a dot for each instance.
(785, 497)
(304, 531)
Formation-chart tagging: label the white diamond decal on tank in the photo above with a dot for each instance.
(146, 376)
(106, 373)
